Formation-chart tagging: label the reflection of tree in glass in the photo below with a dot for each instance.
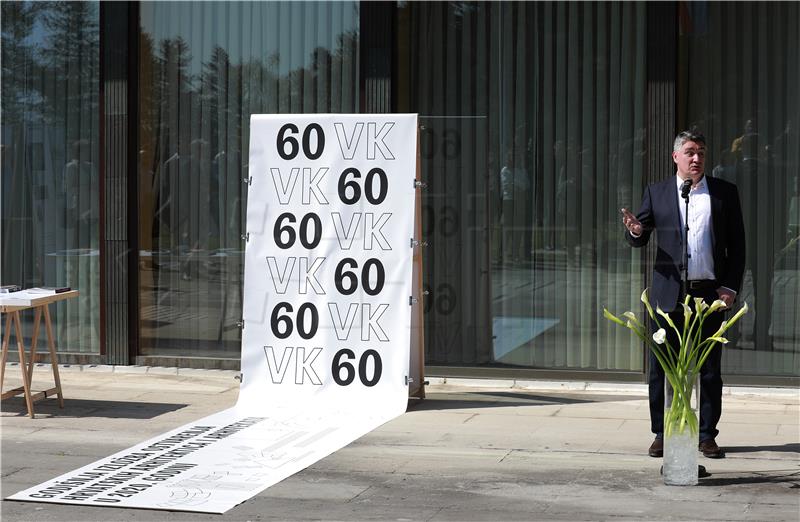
(197, 90)
(185, 101)
(50, 71)
(50, 107)
(17, 56)
(70, 51)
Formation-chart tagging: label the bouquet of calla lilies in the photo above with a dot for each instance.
(681, 364)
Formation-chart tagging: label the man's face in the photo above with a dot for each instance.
(690, 160)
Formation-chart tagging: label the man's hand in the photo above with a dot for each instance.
(726, 296)
(631, 223)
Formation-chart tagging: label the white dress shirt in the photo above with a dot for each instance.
(701, 241)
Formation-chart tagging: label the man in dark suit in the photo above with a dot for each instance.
(716, 248)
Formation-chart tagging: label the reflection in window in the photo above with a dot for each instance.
(534, 118)
(205, 68)
(747, 103)
(50, 153)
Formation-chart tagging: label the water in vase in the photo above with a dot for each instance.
(680, 459)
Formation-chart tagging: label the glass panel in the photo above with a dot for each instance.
(50, 157)
(205, 68)
(743, 63)
(546, 103)
(448, 92)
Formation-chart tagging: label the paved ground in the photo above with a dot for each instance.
(534, 451)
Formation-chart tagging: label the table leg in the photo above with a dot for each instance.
(21, 348)
(36, 321)
(6, 338)
(51, 345)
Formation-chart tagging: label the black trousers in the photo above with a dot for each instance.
(710, 372)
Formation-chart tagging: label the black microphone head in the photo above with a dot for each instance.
(685, 188)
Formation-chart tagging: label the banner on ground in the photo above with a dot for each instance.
(327, 309)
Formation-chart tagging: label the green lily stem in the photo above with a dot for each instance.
(672, 370)
(681, 366)
(671, 362)
(680, 416)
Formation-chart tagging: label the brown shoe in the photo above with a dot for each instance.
(710, 450)
(656, 448)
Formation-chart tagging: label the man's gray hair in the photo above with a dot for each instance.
(688, 135)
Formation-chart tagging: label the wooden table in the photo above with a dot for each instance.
(12, 305)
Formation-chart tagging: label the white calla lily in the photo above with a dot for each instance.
(687, 312)
(646, 302)
(700, 305)
(743, 310)
(722, 328)
(682, 358)
(633, 321)
(611, 317)
(716, 305)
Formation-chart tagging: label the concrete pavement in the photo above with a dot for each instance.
(473, 450)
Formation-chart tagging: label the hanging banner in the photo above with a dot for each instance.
(327, 313)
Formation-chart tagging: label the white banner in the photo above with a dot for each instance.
(325, 347)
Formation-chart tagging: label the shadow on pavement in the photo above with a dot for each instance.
(82, 408)
(451, 401)
(759, 477)
(792, 447)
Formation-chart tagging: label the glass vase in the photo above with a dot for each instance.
(680, 432)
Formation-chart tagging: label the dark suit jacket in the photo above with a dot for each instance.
(660, 212)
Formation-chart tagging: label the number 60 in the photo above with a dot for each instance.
(294, 147)
(350, 372)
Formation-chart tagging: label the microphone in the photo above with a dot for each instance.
(685, 188)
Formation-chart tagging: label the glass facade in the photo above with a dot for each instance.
(50, 157)
(204, 68)
(536, 127)
(534, 119)
(740, 70)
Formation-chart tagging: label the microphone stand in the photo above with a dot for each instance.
(685, 275)
(685, 189)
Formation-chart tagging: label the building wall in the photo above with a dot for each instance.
(538, 121)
